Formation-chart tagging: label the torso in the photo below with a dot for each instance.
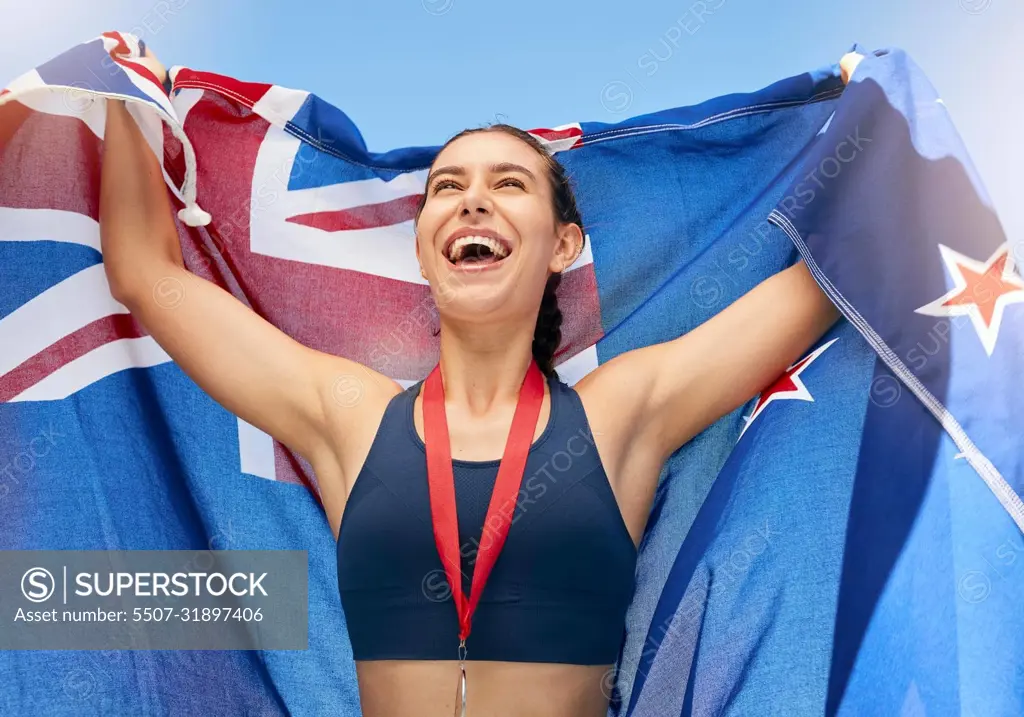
(427, 687)
(632, 475)
(496, 689)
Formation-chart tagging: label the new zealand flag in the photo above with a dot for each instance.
(848, 543)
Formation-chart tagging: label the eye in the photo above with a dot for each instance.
(442, 183)
(512, 180)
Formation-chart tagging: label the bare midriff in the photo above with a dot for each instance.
(427, 688)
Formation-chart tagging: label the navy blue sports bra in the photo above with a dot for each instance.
(560, 587)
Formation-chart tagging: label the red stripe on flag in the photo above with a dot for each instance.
(581, 316)
(48, 162)
(368, 216)
(551, 135)
(67, 349)
(246, 93)
(122, 46)
(12, 115)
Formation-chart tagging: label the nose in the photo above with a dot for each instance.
(474, 202)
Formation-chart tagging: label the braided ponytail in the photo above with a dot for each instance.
(547, 335)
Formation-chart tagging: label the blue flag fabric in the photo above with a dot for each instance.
(864, 556)
(844, 544)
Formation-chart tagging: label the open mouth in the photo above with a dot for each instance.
(477, 251)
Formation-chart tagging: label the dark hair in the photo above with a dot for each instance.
(547, 335)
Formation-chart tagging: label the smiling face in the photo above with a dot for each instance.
(489, 207)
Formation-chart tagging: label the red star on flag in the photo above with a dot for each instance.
(981, 290)
(787, 387)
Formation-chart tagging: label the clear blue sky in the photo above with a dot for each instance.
(413, 72)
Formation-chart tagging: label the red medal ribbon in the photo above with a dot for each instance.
(441, 481)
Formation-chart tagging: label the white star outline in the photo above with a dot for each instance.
(953, 260)
(800, 393)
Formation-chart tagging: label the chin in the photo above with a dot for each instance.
(474, 302)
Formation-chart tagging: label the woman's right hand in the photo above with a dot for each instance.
(151, 63)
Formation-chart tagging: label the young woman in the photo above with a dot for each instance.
(409, 476)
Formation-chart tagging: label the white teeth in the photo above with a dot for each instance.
(458, 247)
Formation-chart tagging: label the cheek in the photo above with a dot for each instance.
(537, 258)
(427, 226)
(531, 217)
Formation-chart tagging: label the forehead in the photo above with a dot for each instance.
(480, 150)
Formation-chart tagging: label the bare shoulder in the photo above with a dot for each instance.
(614, 397)
(354, 398)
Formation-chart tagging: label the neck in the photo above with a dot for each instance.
(483, 366)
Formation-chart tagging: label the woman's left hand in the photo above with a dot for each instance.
(848, 64)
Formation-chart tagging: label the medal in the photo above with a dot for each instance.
(441, 483)
(460, 694)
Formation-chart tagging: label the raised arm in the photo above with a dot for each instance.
(246, 364)
(667, 393)
(654, 399)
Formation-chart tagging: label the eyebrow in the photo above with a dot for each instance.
(498, 168)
